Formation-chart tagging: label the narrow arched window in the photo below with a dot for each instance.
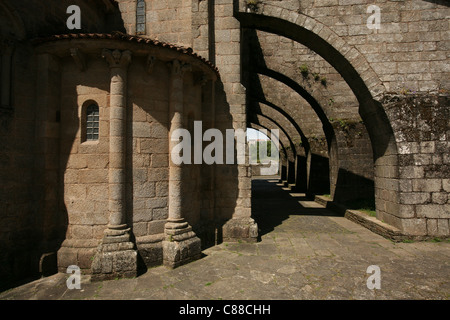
(140, 17)
(92, 122)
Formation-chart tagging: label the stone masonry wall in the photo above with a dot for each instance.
(231, 113)
(351, 170)
(408, 52)
(407, 55)
(166, 20)
(147, 140)
(421, 126)
(84, 164)
(289, 58)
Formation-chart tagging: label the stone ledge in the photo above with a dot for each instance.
(373, 224)
(329, 204)
(376, 226)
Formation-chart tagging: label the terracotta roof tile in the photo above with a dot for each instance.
(125, 37)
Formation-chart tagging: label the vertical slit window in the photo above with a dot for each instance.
(140, 17)
(92, 123)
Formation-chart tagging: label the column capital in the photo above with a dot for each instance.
(151, 61)
(178, 68)
(79, 58)
(117, 58)
(200, 79)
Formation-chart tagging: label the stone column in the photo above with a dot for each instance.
(118, 62)
(181, 245)
(116, 256)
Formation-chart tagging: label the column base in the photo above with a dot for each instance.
(116, 257)
(240, 229)
(181, 245)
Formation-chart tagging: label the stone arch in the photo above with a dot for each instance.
(333, 161)
(291, 150)
(257, 126)
(314, 102)
(297, 166)
(347, 60)
(269, 123)
(356, 72)
(318, 38)
(282, 150)
(264, 72)
(280, 116)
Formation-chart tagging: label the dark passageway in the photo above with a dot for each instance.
(272, 204)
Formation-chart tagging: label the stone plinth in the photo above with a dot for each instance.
(245, 229)
(116, 257)
(181, 245)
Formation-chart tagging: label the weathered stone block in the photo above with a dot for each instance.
(140, 229)
(414, 197)
(416, 227)
(405, 211)
(97, 191)
(66, 257)
(427, 185)
(81, 231)
(432, 227)
(240, 229)
(181, 249)
(151, 253)
(144, 190)
(439, 197)
(93, 176)
(159, 202)
(412, 172)
(114, 264)
(160, 213)
(162, 189)
(141, 129)
(158, 174)
(156, 227)
(443, 227)
(438, 227)
(435, 211)
(85, 258)
(446, 184)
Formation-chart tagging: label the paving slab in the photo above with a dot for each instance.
(304, 252)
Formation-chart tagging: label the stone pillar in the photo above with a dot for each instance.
(291, 172)
(181, 245)
(301, 174)
(116, 255)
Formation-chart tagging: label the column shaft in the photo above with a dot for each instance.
(117, 148)
(116, 255)
(176, 94)
(181, 245)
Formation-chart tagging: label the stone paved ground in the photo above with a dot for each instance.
(305, 252)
